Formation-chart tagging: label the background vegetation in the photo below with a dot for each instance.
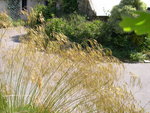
(125, 46)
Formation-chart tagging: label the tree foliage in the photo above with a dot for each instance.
(122, 43)
(126, 7)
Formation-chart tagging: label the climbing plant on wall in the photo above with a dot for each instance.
(70, 6)
(14, 8)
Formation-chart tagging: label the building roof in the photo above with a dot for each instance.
(103, 7)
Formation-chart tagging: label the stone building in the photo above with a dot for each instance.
(13, 7)
(23, 4)
(88, 7)
(101, 7)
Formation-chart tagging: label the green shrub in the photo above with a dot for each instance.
(40, 8)
(75, 18)
(55, 25)
(137, 56)
(47, 11)
(75, 27)
(85, 31)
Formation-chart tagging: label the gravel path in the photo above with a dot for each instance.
(140, 70)
(10, 36)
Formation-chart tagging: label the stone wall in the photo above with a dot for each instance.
(30, 4)
(15, 12)
(85, 7)
(3, 6)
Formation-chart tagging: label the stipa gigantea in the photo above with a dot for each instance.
(5, 20)
(73, 80)
(28, 93)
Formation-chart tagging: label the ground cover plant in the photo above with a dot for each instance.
(55, 79)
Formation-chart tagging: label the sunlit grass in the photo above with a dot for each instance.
(57, 76)
(5, 20)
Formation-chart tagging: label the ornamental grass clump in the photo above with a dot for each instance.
(5, 20)
(59, 79)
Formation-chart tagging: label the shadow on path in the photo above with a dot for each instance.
(16, 38)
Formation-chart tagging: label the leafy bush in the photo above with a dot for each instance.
(5, 20)
(47, 11)
(55, 25)
(86, 30)
(137, 56)
(40, 8)
(75, 27)
(75, 18)
(89, 29)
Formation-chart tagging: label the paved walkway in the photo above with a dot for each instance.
(141, 70)
(10, 36)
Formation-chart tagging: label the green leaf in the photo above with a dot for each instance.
(140, 24)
